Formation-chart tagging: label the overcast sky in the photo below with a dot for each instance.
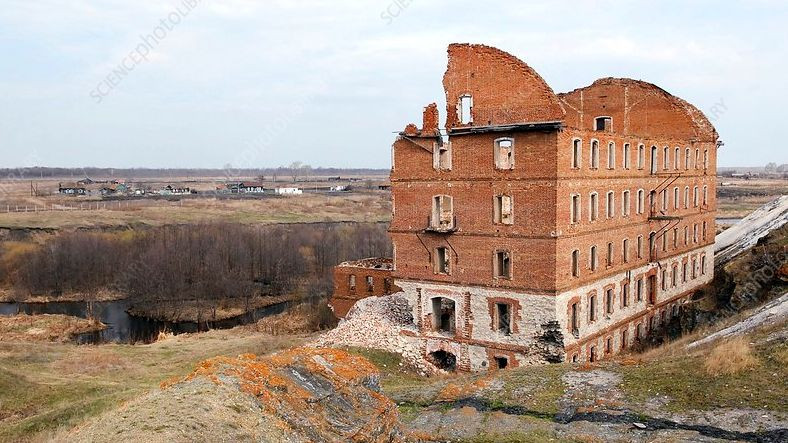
(207, 83)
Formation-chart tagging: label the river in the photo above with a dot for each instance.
(125, 328)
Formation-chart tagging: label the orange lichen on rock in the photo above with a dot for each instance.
(326, 394)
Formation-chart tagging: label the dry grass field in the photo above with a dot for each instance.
(737, 197)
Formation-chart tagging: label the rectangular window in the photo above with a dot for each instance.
(465, 107)
(592, 258)
(442, 212)
(504, 153)
(503, 317)
(441, 264)
(603, 124)
(664, 195)
(684, 272)
(674, 276)
(594, 154)
(609, 258)
(592, 308)
(675, 238)
(503, 209)
(686, 235)
(640, 246)
(351, 282)
(503, 265)
(694, 268)
(370, 284)
(624, 339)
(702, 265)
(441, 156)
(639, 289)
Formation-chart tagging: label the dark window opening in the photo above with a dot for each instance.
(501, 362)
(443, 315)
(603, 124)
(592, 308)
(443, 360)
(387, 285)
(575, 320)
(503, 265)
(592, 354)
(609, 346)
(503, 316)
(442, 260)
(370, 284)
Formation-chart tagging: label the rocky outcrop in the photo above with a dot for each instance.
(300, 395)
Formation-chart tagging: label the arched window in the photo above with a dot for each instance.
(705, 195)
(575, 263)
(641, 156)
(504, 153)
(593, 206)
(626, 156)
(676, 198)
(574, 209)
(625, 203)
(666, 158)
(686, 197)
(687, 159)
(594, 154)
(576, 152)
(697, 158)
(677, 159)
(695, 196)
(611, 204)
(653, 159)
(611, 155)
(641, 201)
(592, 258)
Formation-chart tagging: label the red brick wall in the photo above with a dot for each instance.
(504, 89)
(636, 107)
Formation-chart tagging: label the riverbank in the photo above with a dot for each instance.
(103, 295)
(200, 311)
(46, 328)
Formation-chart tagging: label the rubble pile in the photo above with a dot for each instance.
(376, 323)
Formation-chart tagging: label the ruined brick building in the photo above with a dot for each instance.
(354, 280)
(583, 218)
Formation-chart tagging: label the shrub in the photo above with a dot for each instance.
(730, 357)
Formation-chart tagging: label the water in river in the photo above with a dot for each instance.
(125, 328)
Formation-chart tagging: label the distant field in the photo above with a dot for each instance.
(738, 197)
(365, 204)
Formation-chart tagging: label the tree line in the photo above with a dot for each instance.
(210, 262)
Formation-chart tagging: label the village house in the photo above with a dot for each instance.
(246, 188)
(175, 190)
(72, 189)
(289, 191)
(548, 227)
